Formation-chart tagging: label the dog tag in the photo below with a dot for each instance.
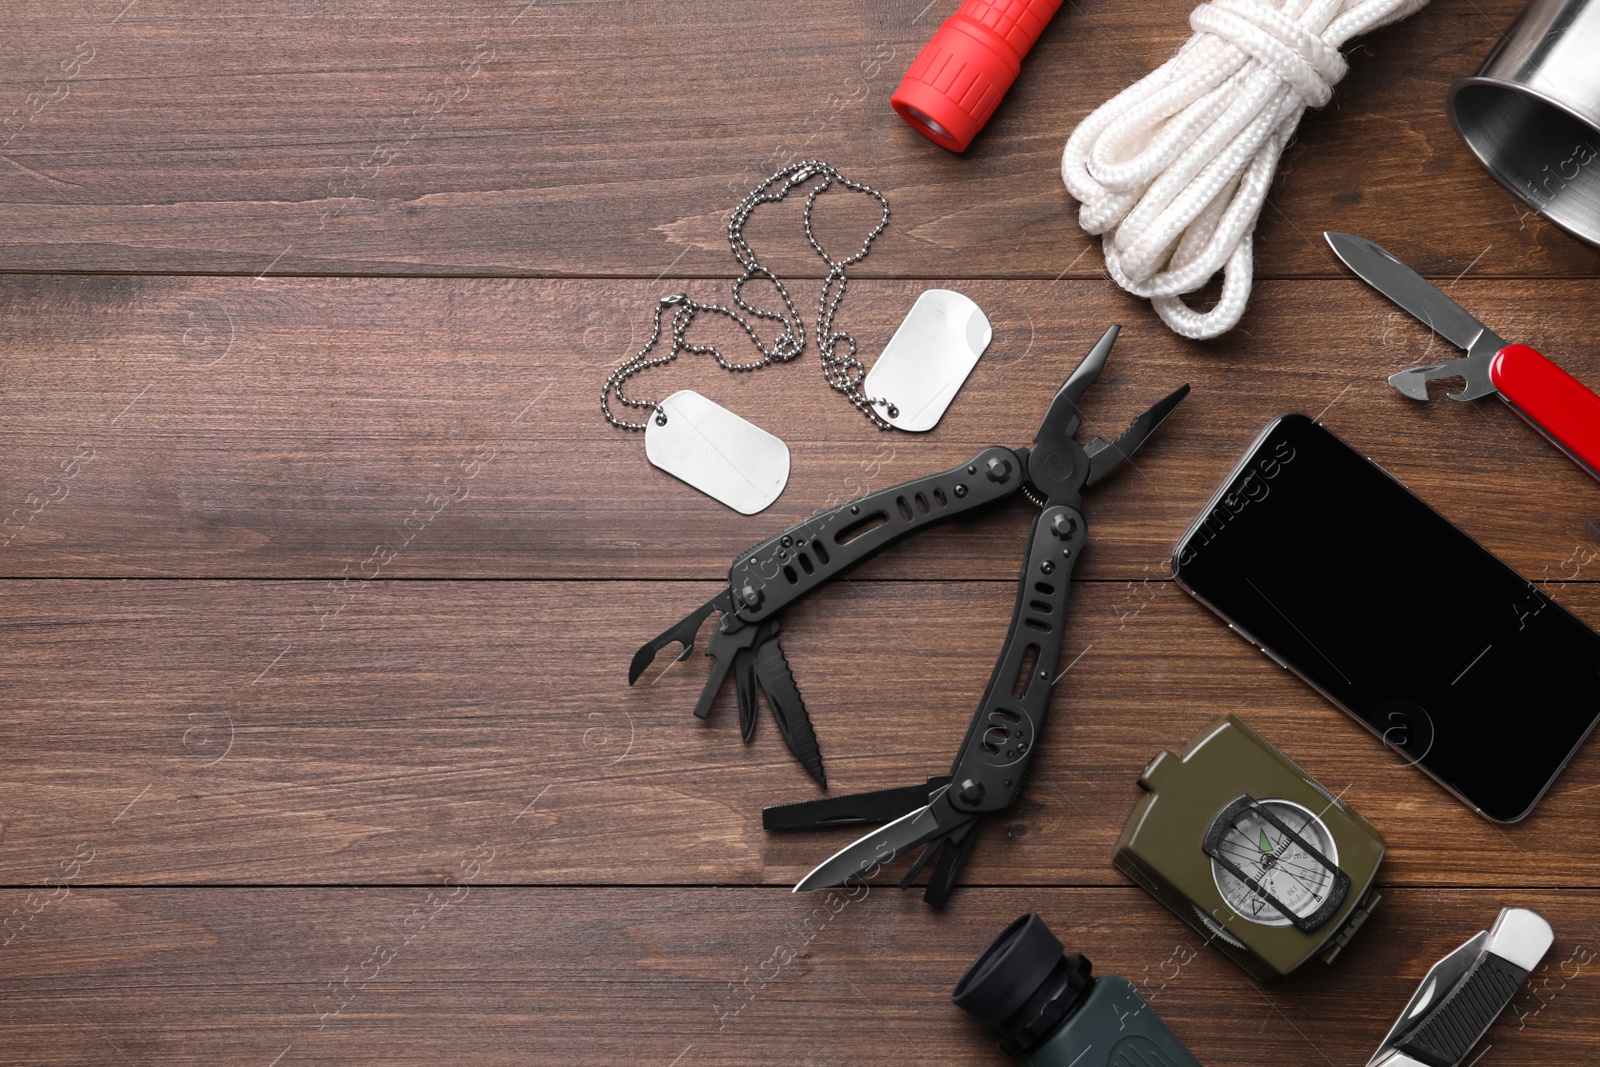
(728, 458)
(928, 359)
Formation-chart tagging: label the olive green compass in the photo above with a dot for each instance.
(1251, 851)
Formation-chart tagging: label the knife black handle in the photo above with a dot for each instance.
(1445, 1034)
(1004, 733)
(786, 567)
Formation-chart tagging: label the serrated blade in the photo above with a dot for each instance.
(788, 709)
(862, 858)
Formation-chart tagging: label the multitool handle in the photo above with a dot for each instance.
(1552, 401)
(785, 568)
(1004, 734)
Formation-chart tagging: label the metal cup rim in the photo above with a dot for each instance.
(1592, 237)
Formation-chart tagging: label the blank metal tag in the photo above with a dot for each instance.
(728, 458)
(928, 359)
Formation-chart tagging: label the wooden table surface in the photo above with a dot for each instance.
(322, 570)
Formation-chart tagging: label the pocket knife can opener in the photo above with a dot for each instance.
(1564, 410)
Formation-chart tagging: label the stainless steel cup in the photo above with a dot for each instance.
(1532, 112)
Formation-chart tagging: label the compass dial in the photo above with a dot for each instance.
(1277, 863)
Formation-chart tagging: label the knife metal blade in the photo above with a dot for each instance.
(788, 710)
(862, 858)
(1381, 270)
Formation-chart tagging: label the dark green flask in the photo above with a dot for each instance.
(1051, 1012)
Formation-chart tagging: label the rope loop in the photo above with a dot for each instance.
(1174, 169)
(1291, 51)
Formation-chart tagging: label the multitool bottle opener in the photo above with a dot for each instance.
(1547, 398)
(993, 760)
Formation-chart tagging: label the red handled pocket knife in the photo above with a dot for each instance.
(1549, 399)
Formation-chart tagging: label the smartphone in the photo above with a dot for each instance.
(1331, 567)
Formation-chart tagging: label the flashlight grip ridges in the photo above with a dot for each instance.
(960, 76)
(1016, 22)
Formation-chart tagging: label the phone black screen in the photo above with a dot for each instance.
(1459, 663)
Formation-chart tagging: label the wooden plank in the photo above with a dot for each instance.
(450, 427)
(553, 851)
(613, 138)
(699, 976)
(247, 732)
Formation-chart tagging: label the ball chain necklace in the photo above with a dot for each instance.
(838, 349)
(718, 452)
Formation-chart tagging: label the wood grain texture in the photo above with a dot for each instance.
(248, 732)
(699, 976)
(320, 571)
(587, 138)
(324, 428)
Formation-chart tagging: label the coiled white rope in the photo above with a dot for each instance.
(1175, 168)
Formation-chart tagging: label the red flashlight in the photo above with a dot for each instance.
(958, 78)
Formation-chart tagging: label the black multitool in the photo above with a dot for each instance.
(1001, 739)
(750, 650)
